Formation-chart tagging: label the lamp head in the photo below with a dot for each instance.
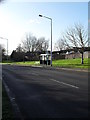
(40, 16)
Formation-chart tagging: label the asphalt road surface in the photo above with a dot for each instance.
(48, 93)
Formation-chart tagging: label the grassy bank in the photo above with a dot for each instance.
(22, 63)
(72, 63)
(67, 63)
(7, 113)
(28, 63)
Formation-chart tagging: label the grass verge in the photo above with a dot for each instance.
(66, 63)
(22, 63)
(72, 63)
(7, 113)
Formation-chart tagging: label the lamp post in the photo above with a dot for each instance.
(7, 46)
(51, 33)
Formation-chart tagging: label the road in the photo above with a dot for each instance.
(48, 93)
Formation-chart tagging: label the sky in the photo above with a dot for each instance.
(19, 18)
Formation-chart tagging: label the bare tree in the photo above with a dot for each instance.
(34, 42)
(59, 45)
(42, 44)
(29, 43)
(19, 48)
(76, 37)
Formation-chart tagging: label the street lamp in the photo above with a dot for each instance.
(7, 46)
(51, 33)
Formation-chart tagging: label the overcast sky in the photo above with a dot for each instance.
(18, 18)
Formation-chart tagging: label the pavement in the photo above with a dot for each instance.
(41, 92)
(53, 67)
(62, 68)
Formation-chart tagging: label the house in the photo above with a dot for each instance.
(56, 55)
(75, 53)
(71, 53)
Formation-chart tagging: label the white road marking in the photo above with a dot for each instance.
(65, 83)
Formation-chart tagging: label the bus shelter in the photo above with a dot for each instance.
(45, 59)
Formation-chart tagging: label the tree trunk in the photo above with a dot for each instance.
(82, 59)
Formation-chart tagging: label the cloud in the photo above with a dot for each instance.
(31, 21)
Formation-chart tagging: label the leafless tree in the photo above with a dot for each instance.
(42, 44)
(29, 43)
(59, 45)
(19, 48)
(76, 37)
